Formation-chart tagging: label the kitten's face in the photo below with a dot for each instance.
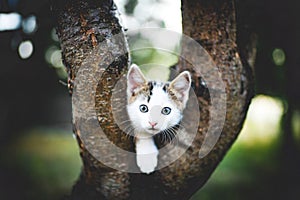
(154, 106)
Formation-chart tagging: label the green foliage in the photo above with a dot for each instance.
(50, 161)
(242, 172)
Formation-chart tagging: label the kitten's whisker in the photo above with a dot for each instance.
(181, 126)
(163, 136)
(173, 135)
(128, 130)
(124, 122)
(180, 141)
(128, 126)
(128, 120)
(131, 132)
(169, 136)
(175, 140)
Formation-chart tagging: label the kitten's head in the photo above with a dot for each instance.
(155, 106)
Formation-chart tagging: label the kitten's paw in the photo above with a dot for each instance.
(147, 162)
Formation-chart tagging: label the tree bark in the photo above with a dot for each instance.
(86, 29)
(213, 25)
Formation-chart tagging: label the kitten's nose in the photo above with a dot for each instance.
(152, 124)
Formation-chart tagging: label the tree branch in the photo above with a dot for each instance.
(93, 54)
(95, 60)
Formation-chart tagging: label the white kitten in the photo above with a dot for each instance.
(152, 108)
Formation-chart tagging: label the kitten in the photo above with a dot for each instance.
(153, 107)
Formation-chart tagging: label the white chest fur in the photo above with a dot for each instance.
(147, 153)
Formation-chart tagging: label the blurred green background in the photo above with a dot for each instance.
(39, 156)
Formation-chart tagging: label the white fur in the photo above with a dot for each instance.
(182, 84)
(146, 149)
(147, 153)
(159, 100)
(135, 79)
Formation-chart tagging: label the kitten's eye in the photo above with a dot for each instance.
(143, 108)
(166, 111)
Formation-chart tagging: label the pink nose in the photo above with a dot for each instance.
(152, 124)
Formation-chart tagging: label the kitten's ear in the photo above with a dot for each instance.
(135, 79)
(181, 85)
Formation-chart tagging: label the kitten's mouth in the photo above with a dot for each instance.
(153, 130)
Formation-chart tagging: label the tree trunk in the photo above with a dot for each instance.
(96, 60)
(213, 25)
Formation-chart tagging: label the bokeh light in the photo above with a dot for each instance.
(54, 36)
(296, 125)
(29, 24)
(53, 57)
(263, 120)
(25, 49)
(10, 21)
(152, 13)
(278, 57)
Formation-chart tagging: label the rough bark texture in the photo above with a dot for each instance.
(213, 25)
(82, 25)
